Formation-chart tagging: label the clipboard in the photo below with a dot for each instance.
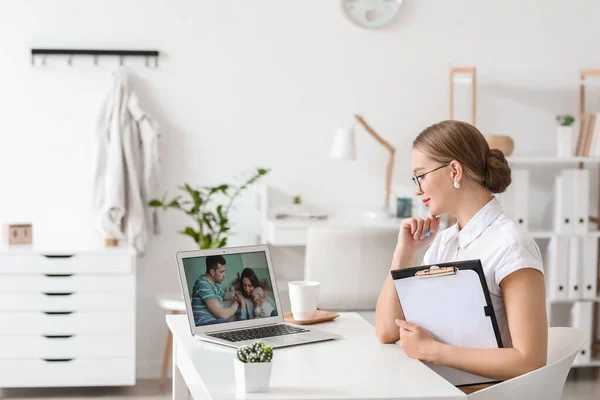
(452, 302)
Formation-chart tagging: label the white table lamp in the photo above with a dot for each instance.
(344, 144)
(344, 147)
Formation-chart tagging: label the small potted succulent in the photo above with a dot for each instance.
(565, 139)
(252, 367)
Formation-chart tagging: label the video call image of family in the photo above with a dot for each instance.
(227, 288)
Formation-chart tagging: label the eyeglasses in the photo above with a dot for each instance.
(415, 177)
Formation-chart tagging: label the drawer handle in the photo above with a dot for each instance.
(58, 255)
(58, 359)
(57, 293)
(58, 275)
(58, 312)
(58, 336)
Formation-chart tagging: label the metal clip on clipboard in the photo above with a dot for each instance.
(434, 271)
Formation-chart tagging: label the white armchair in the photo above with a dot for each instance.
(351, 263)
(544, 383)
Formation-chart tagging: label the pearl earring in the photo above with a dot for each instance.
(456, 184)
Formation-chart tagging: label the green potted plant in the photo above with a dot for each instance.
(252, 366)
(565, 141)
(211, 225)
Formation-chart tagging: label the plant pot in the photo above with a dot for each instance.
(565, 141)
(503, 143)
(252, 377)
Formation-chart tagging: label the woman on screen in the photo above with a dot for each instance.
(456, 173)
(249, 282)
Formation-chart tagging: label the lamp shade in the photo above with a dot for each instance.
(344, 144)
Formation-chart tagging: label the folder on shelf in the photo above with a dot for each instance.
(520, 183)
(557, 260)
(575, 269)
(564, 201)
(581, 317)
(589, 277)
(581, 197)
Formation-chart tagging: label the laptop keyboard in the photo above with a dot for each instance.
(257, 333)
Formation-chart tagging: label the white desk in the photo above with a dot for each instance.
(294, 232)
(355, 367)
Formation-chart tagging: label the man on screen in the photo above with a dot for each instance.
(208, 296)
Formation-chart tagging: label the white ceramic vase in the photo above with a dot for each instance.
(565, 141)
(252, 377)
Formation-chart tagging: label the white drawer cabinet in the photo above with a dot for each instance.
(86, 263)
(40, 347)
(69, 283)
(67, 319)
(65, 301)
(54, 372)
(65, 323)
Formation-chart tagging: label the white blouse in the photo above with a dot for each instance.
(502, 247)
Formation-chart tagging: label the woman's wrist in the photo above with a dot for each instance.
(404, 257)
(436, 352)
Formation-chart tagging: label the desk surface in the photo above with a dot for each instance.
(355, 367)
(294, 232)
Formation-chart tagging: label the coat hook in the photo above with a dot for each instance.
(121, 60)
(156, 62)
(70, 60)
(96, 60)
(44, 59)
(147, 61)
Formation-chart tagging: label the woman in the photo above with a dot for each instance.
(249, 281)
(456, 173)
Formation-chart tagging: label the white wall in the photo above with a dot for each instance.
(266, 83)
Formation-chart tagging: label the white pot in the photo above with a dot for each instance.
(565, 141)
(252, 377)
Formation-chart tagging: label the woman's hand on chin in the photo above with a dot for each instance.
(413, 232)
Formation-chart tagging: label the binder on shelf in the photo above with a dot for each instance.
(581, 317)
(575, 269)
(564, 201)
(557, 261)
(581, 195)
(520, 193)
(589, 277)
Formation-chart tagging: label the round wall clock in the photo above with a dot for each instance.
(371, 13)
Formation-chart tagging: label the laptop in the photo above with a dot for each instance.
(231, 298)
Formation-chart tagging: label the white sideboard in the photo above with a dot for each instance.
(67, 319)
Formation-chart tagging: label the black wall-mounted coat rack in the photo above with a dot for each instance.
(95, 53)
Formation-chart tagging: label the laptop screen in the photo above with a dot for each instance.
(229, 288)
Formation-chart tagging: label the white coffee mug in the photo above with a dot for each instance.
(304, 298)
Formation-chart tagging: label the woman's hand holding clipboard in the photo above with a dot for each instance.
(418, 233)
(416, 341)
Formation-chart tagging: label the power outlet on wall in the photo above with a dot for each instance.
(18, 234)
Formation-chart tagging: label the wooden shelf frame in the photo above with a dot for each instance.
(473, 72)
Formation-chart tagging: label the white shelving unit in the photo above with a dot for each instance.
(559, 163)
(550, 160)
(551, 234)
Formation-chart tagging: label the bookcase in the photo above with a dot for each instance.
(570, 308)
(534, 188)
